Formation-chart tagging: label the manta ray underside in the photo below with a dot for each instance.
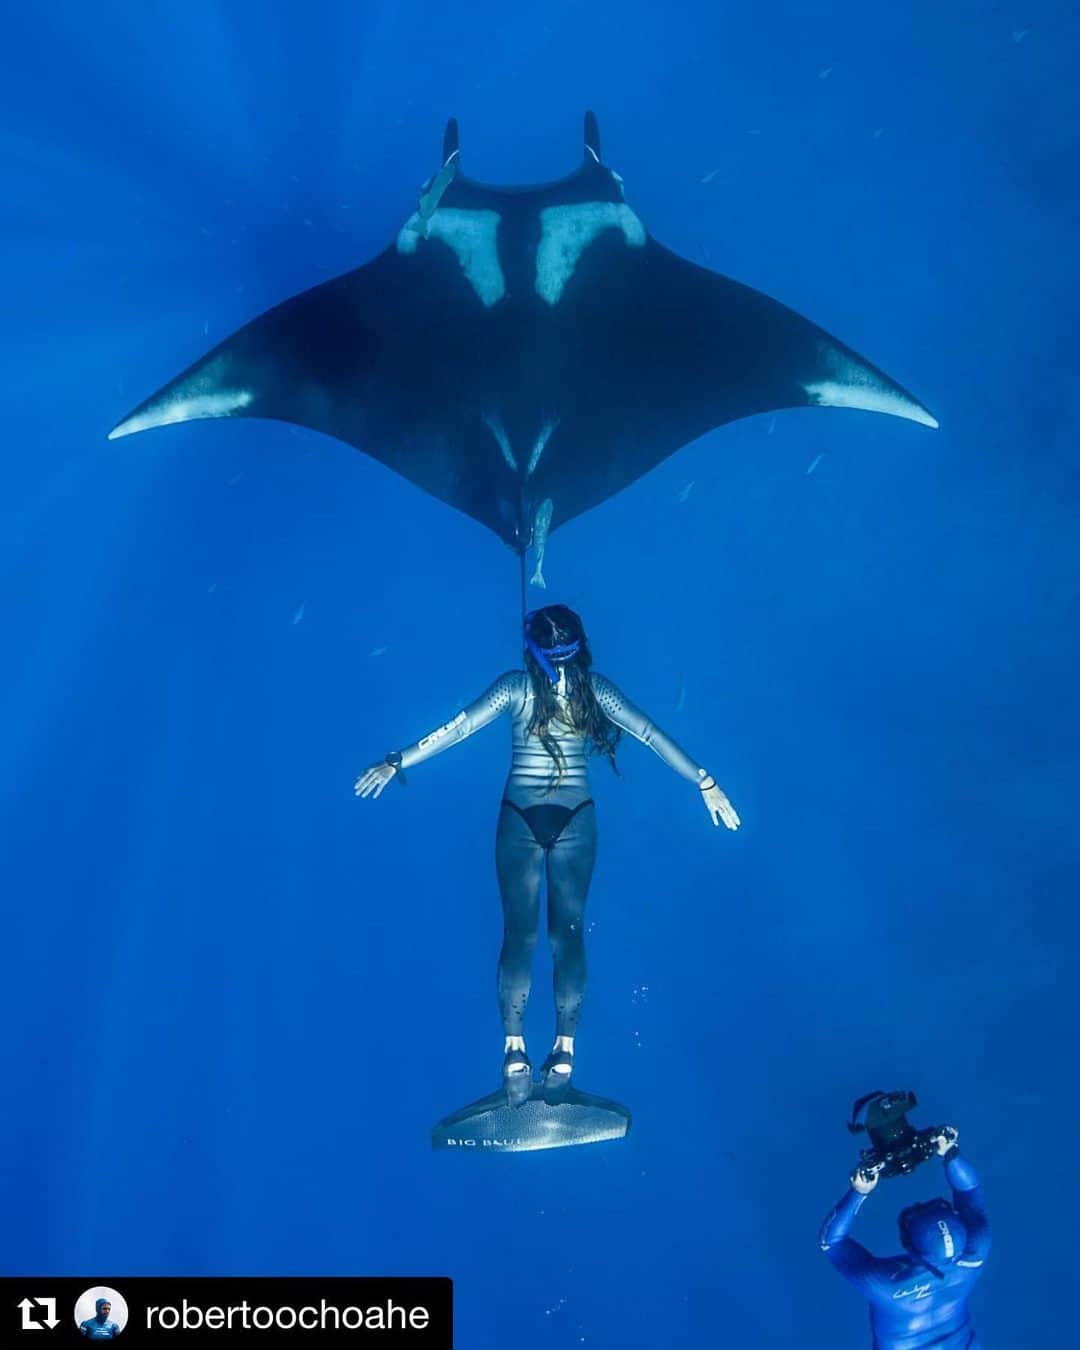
(523, 353)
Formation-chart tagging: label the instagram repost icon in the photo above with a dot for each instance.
(101, 1313)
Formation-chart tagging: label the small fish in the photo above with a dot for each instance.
(299, 614)
(1019, 34)
(877, 133)
(680, 702)
(211, 588)
(814, 463)
(206, 327)
(685, 491)
(541, 525)
(771, 427)
(377, 651)
(754, 131)
(710, 175)
(824, 74)
(235, 479)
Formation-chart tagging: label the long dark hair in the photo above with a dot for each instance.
(558, 626)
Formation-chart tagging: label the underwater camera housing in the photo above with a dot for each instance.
(896, 1147)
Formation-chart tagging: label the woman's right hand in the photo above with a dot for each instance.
(372, 781)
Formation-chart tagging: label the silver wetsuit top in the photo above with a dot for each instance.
(531, 767)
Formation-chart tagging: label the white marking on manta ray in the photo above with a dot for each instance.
(471, 235)
(567, 231)
(185, 408)
(541, 442)
(853, 387)
(868, 398)
(496, 428)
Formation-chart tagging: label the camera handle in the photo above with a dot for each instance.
(853, 1126)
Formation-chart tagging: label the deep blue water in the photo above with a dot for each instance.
(236, 998)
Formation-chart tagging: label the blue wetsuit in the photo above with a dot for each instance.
(911, 1308)
(94, 1329)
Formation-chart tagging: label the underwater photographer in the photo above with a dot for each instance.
(920, 1298)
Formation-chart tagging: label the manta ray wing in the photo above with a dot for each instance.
(656, 351)
(383, 358)
(523, 353)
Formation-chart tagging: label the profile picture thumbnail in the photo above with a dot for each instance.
(101, 1313)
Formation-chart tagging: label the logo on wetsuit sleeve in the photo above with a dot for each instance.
(441, 732)
(947, 1239)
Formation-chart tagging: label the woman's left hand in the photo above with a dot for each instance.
(372, 781)
(719, 808)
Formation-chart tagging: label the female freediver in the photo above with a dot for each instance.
(562, 712)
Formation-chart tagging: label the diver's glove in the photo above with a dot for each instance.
(945, 1142)
(864, 1179)
(717, 804)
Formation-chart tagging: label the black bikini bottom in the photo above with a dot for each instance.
(546, 823)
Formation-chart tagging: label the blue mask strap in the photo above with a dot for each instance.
(541, 660)
(543, 656)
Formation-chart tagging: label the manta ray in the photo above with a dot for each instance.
(523, 353)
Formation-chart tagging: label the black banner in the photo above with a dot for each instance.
(151, 1312)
